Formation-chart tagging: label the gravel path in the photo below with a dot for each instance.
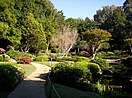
(33, 85)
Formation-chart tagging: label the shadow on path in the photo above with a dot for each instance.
(33, 85)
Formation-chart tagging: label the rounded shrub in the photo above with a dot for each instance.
(69, 74)
(95, 70)
(80, 58)
(102, 63)
(10, 76)
(4, 57)
(15, 54)
(41, 58)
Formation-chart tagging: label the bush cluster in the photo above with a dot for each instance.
(10, 76)
(41, 58)
(24, 60)
(15, 54)
(75, 74)
(102, 63)
(4, 57)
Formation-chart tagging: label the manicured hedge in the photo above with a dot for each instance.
(70, 74)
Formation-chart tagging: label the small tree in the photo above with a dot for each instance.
(95, 38)
(65, 40)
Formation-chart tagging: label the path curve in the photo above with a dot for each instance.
(33, 85)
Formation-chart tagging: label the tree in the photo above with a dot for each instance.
(95, 38)
(116, 25)
(9, 31)
(102, 15)
(127, 6)
(33, 34)
(65, 40)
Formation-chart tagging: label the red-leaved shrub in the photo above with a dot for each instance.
(84, 53)
(25, 60)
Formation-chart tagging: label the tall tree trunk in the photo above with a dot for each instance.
(95, 50)
(47, 49)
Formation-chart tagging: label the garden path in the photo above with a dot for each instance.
(33, 85)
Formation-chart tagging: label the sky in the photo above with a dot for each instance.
(83, 8)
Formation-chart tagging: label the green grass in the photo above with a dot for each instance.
(50, 63)
(28, 68)
(68, 92)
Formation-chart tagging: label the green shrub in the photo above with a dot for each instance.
(127, 62)
(93, 67)
(4, 57)
(15, 54)
(68, 58)
(10, 75)
(102, 63)
(1, 58)
(80, 58)
(95, 70)
(41, 58)
(70, 74)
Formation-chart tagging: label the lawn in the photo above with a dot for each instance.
(28, 68)
(50, 63)
(68, 92)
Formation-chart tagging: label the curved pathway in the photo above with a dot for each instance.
(33, 85)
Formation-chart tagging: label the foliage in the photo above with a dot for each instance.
(95, 38)
(116, 94)
(102, 15)
(15, 54)
(70, 74)
(41, 58)
(117, 23)
(128, 62)
(102, 63)
(84, 53)
(32, 34)
(10, 75)
(107, 55)
(4, 57)
(65, 40)
(29, 22)
(24, 60)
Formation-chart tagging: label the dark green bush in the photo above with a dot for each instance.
(102, 63)
(41, 58)
(93, 67)
(116, 94)
(95, 70)
(10, 76)
(15, 54)
(127, 62)
(70, 74)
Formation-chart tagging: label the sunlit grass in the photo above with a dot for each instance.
(28, 69)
